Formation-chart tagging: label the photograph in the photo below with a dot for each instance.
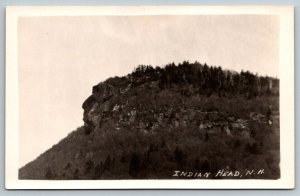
(150, 97)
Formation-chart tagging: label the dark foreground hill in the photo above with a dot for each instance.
(181, 121)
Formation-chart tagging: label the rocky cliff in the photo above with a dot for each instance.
(155, 121)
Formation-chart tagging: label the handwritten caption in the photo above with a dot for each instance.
(220, 173)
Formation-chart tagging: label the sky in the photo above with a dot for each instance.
(61, 58)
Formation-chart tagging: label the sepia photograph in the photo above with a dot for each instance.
(170, 97)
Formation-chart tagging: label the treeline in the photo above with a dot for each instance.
(207, 79)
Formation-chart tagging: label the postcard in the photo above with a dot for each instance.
(150, 97)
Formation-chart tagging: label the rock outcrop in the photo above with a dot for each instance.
(122, 106)
(98, 105)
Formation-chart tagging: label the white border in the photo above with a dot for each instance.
(286, 71)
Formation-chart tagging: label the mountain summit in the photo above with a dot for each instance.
(179, 121)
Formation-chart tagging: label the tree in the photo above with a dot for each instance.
(107, 163)
(98, 171)
(206, 137)
(76, 174)
(205, 166)
(49, 174)
(134, 165)
(269, 113)
(88, 166)
(178, 155)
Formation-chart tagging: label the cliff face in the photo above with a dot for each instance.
(150, 123)
(98, 104)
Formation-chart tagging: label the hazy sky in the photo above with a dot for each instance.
(61, 58)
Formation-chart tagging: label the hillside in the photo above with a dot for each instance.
(155, 121)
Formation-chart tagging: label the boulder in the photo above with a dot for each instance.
(97, 105)
(103, 92)
(88, 106)
(88, 103)
(116, 108)
(227, 130)
(91, 116)
(202, 126)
